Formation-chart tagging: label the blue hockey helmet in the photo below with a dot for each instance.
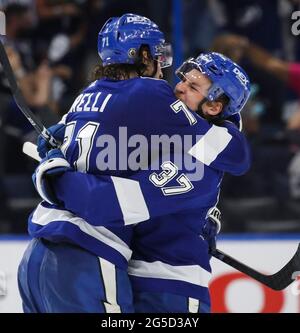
(121, 38)
(227, 78)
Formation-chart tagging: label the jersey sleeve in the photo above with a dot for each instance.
(223, 148)
(115, 201)
(100, 199)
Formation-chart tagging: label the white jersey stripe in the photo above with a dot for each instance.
(109, 277)
(212, 143)
(193, 273)
(43, 216)
(193, 305)
(131, 200)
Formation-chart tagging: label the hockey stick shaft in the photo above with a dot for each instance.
(277, 281)
(20, 101)
(237, 265)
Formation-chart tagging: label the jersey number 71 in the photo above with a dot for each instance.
(85, 138)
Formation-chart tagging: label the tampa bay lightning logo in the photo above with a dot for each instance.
(132, 53)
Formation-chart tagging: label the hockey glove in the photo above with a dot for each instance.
(212, 227)
(57, 131)
(53, 165)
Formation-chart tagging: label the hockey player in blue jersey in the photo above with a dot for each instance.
(72, 266)
(169, 268)
(167, 276)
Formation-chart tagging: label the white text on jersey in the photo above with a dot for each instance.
(90, 102)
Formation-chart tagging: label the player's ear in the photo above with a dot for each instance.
(145, 57)
(213, 108)
(218, 107)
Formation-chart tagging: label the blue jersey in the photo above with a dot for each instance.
(158, 210)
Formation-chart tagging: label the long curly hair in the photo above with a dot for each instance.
(122, 71)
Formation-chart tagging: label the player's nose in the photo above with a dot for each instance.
(180, 88)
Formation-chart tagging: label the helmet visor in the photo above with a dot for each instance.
(164, 55)
(191, 72)
(187, 67)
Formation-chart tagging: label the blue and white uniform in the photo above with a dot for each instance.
(157, 214)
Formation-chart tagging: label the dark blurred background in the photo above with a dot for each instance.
(52, 46)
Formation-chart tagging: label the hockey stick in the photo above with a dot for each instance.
(20, 101)
(277, 281)
(30, 150)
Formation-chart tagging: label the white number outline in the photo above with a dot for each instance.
(69, 133)
(85, 144)
(178, 106)
(184, 187)
(170, 171)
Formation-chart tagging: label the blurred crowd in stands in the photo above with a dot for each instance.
(52, 49)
